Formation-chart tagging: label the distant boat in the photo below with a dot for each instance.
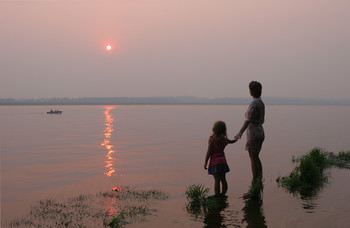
(54, 112)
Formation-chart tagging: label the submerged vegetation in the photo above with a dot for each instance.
(197, 197)
(200, 204)
(255, 189)
(128, 212)
(309, 175)
(113, 208)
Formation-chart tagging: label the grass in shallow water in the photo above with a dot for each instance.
(255, 189)
(199, 203)
(309, 175)
(109, 209)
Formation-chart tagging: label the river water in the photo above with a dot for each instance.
(87, 149)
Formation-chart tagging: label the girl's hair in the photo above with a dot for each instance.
(219, 129)
(255, 88)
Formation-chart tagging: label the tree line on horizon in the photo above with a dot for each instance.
(164, 100)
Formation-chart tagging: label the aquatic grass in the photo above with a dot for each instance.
(118, 221)
(197, 193)
(135, 194)
(255, 189)
(344, 156)
(129, 212)
(200, 203)
(109, 209)
(309, 175)
(141, 194)
(342, 160)
(197, 196)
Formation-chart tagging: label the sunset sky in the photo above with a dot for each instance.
(203, 48)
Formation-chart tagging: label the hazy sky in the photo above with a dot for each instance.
(205, 48)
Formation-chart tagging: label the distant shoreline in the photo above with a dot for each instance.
(181, 100)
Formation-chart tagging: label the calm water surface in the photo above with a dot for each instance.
(92, 148)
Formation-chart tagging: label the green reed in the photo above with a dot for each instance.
(199, 203)
(309, 175)
(109, 209)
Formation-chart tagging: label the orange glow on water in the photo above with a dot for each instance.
(110, 156)
(117, 189)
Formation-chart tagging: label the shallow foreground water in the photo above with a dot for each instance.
(88, 149)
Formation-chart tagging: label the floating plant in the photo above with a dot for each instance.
(113, 208)
(309, 176)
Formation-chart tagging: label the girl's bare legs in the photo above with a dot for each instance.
(217, 184)
(224, 183)
(220, 177)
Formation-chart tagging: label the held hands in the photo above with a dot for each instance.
(232, 141)
(238, 136)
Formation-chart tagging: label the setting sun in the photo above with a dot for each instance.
(108, 47)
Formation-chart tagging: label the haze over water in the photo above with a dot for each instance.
(92, 148)
(201, 48)
(197, 48)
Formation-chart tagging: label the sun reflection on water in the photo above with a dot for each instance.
(109, 120)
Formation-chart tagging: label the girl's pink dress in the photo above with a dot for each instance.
(218, 163)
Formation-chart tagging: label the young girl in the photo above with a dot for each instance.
(218, 166)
